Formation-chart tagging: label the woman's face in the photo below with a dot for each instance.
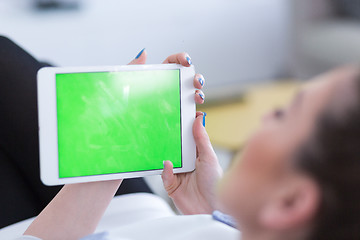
(265, 162)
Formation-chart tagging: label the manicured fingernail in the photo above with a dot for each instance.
(202, 96)
(188, 59)
(201, 81)
(139, 54)
(204, 115)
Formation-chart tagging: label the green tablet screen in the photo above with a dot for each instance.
(116, 122)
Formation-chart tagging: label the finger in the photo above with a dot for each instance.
(203, 144)
(179, 58)
(140, 58)
(198, 113)
(199, 97)
(199, 81)
(168, 176)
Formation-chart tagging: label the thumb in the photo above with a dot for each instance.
(140, 58)
(168, 176)
(202, 140)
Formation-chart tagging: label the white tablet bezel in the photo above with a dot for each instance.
(48, 133)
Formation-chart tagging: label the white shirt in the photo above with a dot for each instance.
(146, 216)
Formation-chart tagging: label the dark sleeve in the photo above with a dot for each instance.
(22, 193)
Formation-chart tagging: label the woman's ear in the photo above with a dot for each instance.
(293, 206)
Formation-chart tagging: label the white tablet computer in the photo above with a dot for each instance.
(103, 123)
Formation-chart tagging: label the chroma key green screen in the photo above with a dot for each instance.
(116, 122)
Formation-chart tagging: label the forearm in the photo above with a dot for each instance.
(75, 211)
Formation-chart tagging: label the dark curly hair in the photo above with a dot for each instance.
(332, 158)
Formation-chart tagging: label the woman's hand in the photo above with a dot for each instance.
(193, 192)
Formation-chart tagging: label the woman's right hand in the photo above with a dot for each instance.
(194, 192)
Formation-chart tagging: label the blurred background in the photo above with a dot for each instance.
(254, 54)
(225, 38)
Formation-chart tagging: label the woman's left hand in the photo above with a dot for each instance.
(192, 192)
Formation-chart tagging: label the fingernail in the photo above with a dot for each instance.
(139, 54)
(202, 96)
(201, 81)
(204, 115)
(188, 59)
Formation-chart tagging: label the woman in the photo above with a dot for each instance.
(297, 177)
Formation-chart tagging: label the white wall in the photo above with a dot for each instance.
(229, 40)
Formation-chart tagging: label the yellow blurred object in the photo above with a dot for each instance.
(230, 124)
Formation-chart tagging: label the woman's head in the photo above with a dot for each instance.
(297, 175)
